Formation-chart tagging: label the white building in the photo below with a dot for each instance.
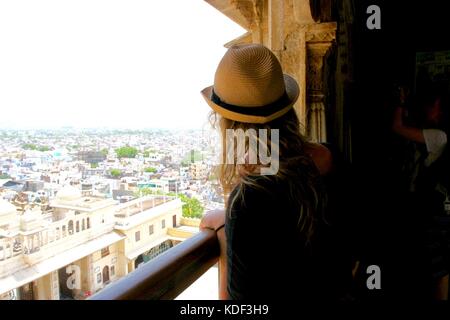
(82, 244)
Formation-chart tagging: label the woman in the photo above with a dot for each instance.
(276, 236)
(428, 185)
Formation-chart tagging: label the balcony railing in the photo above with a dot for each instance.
(169, 274)
(140, 205)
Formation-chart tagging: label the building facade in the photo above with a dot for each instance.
(82, 243)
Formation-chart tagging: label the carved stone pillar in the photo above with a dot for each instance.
(317, 46)
(305, 52)
(304, 58)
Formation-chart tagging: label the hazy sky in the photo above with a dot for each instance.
(120, 63)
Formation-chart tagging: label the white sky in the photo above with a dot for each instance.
(108, 63)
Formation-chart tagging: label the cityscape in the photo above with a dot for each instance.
(81, 208)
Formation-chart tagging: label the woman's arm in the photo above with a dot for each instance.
(321, 157)
(409, 133)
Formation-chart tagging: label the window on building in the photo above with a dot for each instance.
(137, 236)
(105, 252)
(150, 230)
(99, 278)
(70, 228)
(112, 271)
(83, 226)
(88, 223)
(77, 226)
(63, 231)
(163, 223)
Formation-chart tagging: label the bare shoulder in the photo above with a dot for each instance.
(322, 157)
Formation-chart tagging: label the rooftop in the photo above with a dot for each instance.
(140, 205)
(85, 203)
(138, 211)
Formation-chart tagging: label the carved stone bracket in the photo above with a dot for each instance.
(251, 12)
(320, 36)
(245, 8)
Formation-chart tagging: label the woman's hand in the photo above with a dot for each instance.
(214, 220)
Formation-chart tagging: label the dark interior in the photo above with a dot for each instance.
(388, 231)
(386, 57)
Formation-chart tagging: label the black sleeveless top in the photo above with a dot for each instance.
(268, 260)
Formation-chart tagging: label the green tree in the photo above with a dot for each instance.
(94, 165)
(144, 192)
(29, 146)
(184, 163)
(150, 170)
(104, 151)
(32, 146)
(192, 208)
(4, 176)
(149, 191)
(126, 152)
(115, 173)
(44, 148)
(148, 152)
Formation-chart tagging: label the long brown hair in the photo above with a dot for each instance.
(296, 168)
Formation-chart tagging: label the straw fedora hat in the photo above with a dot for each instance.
(249, 86)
